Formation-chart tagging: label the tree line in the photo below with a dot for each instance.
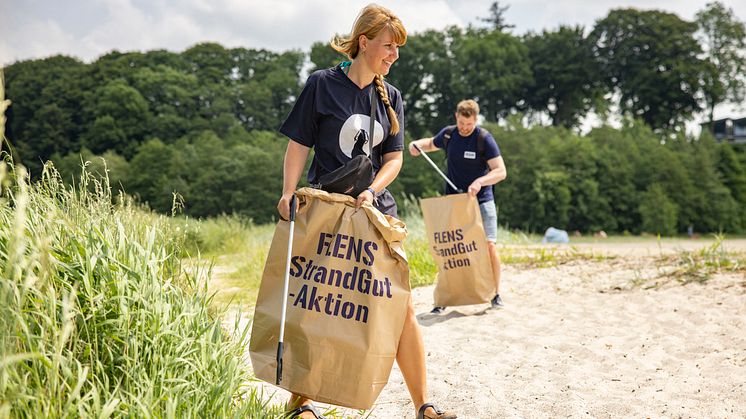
(203, 122)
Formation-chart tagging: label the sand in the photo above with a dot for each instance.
(616, 337)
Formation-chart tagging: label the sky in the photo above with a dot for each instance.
(87, 29)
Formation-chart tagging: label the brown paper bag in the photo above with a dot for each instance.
(347, 300)
(459, 246)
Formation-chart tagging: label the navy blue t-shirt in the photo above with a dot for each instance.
(464, 162)
(332, 115)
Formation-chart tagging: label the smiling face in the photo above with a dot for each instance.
(381, 52)
(465, 124)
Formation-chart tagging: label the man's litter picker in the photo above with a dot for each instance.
(437, 169)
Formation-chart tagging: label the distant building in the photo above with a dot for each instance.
(728, 129)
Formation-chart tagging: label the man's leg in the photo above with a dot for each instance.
(495, 259)
(489, 221)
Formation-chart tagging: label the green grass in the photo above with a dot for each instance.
(99, 318)
(699, 265)
(542, 257)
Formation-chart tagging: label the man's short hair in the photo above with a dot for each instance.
(467, 108)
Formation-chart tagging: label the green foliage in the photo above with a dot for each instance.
(423, 73)
(198, 126)
(651, 58)
(724, 39)
(699, 265)
(98, 317)
(565, 75)
(659, 213)
(324, 56)
(493, 68)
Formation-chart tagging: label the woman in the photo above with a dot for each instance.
(329, 115)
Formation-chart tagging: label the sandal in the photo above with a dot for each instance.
(306, 408)
(442, 414)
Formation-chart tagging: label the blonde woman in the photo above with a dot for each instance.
(323, 118)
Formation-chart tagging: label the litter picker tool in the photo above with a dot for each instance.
(285, 291)
(437, 168)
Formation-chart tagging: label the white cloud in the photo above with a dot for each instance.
(90, 28)
(37, 39)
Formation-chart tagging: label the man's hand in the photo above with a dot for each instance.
(475, 187)
(413, 150)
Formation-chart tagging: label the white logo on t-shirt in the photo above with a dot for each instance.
(470, 155)
(353, 137)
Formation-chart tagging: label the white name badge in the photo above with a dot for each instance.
(470, 155)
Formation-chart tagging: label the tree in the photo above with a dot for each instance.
(553, 199)
(565, 75)
(121, 119)
(157, 171)
(496, 18)
(172, 97)
(45, 117)
(324, 56)
(267, 84)
(424, 73)
(492, 67)
(210, 62)
(659, 213)
(733, 175)
(652, 59)
(724, 39)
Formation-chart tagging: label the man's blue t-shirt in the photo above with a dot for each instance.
(464, 162)
(332, 115)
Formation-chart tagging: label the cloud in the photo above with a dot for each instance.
(90, 28)
(37, 39)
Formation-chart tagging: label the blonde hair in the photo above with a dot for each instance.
(370, 22)
(467, 108)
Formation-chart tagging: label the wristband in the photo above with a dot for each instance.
(371, 190)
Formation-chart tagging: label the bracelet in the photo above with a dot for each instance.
(371, 190)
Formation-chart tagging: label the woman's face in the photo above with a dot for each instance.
(381, 52)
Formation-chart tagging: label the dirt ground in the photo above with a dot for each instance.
(616, 336)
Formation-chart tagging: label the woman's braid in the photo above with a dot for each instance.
(383, 94)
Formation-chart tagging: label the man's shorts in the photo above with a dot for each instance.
(489, 219)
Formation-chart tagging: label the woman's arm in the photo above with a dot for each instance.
(296, 155)
(391, 166)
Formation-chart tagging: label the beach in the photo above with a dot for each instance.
(619, 334)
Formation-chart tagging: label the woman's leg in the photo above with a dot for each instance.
(297, 401)
(411, 359)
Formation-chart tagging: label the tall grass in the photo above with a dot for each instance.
(97, 316)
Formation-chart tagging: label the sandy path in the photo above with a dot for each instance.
(578, 340)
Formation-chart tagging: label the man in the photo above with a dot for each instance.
(474, 165)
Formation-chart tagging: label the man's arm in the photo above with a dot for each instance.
(425, 144)
(497, 174)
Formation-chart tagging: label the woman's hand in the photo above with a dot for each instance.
(283, 207)
(365, 196)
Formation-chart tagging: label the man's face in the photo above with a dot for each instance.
(466, 124)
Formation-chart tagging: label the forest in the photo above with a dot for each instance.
(196, 131)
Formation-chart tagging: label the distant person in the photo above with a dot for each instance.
(332, 101)
(474, 165)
